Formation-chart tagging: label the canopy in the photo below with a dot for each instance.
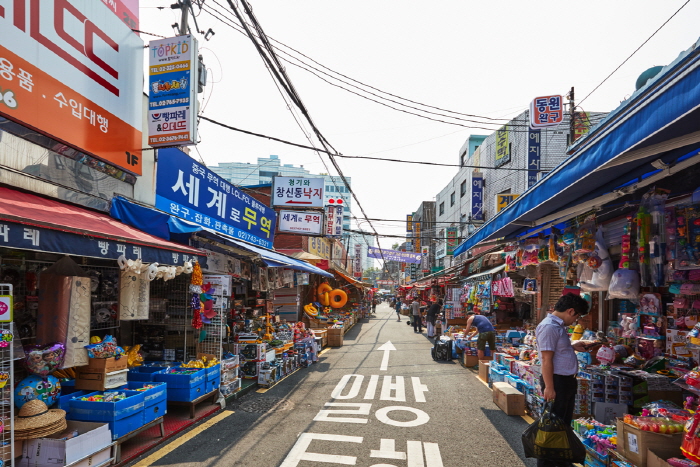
(31, 222)
(652, 134)
(351, 280)
(489, 272)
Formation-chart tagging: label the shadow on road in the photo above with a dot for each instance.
(510, 428)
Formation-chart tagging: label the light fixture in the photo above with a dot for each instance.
(209, 34)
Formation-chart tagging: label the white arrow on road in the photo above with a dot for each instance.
(388, 347)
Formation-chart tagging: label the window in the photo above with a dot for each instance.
(452, 199)
(442, 208)
(463, 189)
(329, 188)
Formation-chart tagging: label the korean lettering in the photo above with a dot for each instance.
(32, 235)
(184, 212)
(308, 192)
(77, 108)
(137, 251)
(198, 170)
(89, 115)
(61, 99)
(235, 215)
(298, 192)
(250, 217)
(176, 257)
(198, 218)
(174, 208)
(190, 189)
(5, 232)
(207, 221)
(25, 80)
(104, 123)
(6, 69)
(217, 225)
(104, 247)
(121, 248)
(218, 199)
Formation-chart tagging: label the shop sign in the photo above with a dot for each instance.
(339, 255)
(409, 225)
(74, 61)
(417, 235)
(502, 146)
(414, 272)
(546, 111)
(126, 10)
(425, 258)
(582, 124)
(301, 222)
(187, 189)
(334, 221)
(477, 196)
(320, 247)
(503, 200)
(172, 100)
(451, 239)
(393, 255)
(357, 263)
(6, 308)
(533, 155)
(298, 192)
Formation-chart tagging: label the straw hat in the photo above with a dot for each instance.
(35, 420)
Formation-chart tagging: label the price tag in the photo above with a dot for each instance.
(632, 443)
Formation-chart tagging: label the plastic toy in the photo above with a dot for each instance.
(624, 284)
(46, 389)
(43, 360)
(602, 274)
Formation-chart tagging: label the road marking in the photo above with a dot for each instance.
(383, 416)
(354, 389)
(387, 348)
(298, 452)
(170, 447)
(324, 351)
(262, 390)
(398, 388)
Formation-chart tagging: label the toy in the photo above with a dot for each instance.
(46, 389)
(42, 360)
(624, 284)
(605, 355)
(600, 279)
(629, 327)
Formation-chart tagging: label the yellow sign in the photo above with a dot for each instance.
(504, 200)
(417, 234)
(320, 247)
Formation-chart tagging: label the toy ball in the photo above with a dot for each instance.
(33, 387)
(605, 355)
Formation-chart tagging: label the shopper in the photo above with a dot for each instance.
(559, 364)
(417, 320)
(374, 305)
(486, 331)
(431, 317)
(398, 309)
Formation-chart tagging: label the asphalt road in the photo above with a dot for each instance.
(415, 413)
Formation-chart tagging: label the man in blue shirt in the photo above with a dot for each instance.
(486, 331)
(398, 309)
(558, 358)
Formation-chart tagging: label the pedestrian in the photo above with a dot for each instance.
(486, 331)
(398, 309)
(559, 363)
(374, 306)
(431, 317)
(417, 319)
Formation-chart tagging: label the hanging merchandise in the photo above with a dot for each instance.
(600, 264)
(624, 283)
(530, 286)
(134, 296)
(196, 282)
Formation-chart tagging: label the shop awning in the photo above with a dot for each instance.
(31, 222)
(164, 224)
(486, 274)
(654, 133)
(350, 280)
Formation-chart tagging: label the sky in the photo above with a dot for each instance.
(488, 58)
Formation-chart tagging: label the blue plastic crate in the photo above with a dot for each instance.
(67, 387)
(65, 398)
(126, 425)
(213, 372)
(154, 411)
(182, 381)
(153, 395)
(186, 394)
(144, 373)
(93, 411)
(212, 385)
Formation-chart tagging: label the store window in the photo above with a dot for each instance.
(442, 208)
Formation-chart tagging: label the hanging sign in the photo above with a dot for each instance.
(334, 221)
(477, 196)
(301, 222)
(502, 146)
(6, 309)
(533, 155)
(451, 234)
(298, 192)
(409, 225)
(504, 200)
(393, 255)
(546, 111)
(357, 263)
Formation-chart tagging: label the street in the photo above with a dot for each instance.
(347, 410)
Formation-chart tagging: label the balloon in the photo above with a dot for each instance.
(43, 360)
(35, 387)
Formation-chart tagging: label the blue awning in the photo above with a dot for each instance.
(656, 129)
(166, 226)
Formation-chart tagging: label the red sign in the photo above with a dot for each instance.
(546, 111)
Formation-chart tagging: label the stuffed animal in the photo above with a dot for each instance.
(629, 327)
(602, 274)
(624, 284)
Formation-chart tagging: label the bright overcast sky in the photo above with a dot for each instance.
(487, 58)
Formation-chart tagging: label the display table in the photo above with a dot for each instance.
(118, 442)
(192, 404)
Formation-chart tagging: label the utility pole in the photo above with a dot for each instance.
(572, 117)
(184, 6)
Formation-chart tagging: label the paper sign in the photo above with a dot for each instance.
(5, 308)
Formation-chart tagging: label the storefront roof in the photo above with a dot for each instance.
(351, 280)
(486, 274)
(652, 134)
(63, 228)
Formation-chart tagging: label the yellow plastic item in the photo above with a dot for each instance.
(338, 298)
(323, 288)
(95, 340)
(325, 298)
(578, 333)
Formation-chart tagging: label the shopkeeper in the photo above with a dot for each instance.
(558, 359)
(486, 331)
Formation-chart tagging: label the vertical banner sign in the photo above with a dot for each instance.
(533, 155)
(582, 124)
(409, 225)
(334, 221)
(546, 111)
(69, 70)
(172, 99)
(502, 146)
(425, 259)
(417, 236)
(451, 235)
(357, 263)
(477, 196)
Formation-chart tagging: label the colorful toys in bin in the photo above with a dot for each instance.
(204, 362)
(133, 356)
(106, 348)
(662, 425)
(105, 397)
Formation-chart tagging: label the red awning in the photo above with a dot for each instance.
(32, 210)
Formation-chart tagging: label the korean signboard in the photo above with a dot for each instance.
(425, 259)
(393, 255)
(172, 102)
(582, 124)
(320, 247)
(301, 222)
(451, 239)
(334, 221)
(533, 155)
(416, 234)
(126, 10)
(75, 61)
(357, 262)
(502, 146)
(189, 190)
(504, 200)
(298, 192)
(409, 225)
(340, 256)
(477, 196)
(546, 111)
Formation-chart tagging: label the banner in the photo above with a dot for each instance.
(533, 155)
(393, 255)
(301, 222)
(502, 146)
(409, 225)
(451, 239)
(298, 192)
(334, 221)
(416, 235)
(357, 263)
(546, 111)
(477, 196)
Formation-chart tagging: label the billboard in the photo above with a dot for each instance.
(334, 221)
(502, 146)
(298, 192)
(320, 247)
(546, 111)
(187, 189)
(451, 239)
(534, 147)
(301, 222)
(172, 96)
(80, 65)
(477, 196)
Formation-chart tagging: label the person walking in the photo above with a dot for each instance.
(374, 306)
(398, 309)
(486, 331)
(431, 317)
(417, 319)
(559, 363)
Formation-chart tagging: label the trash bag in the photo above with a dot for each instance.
(551, 439)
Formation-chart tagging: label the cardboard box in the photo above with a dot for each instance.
(100, 381)
(508, 399)
(92, 445)
(335, 340)
(484, 370)
(470, 360)
(608, 413)
(106, 365)
(655, 461)
(634, 444)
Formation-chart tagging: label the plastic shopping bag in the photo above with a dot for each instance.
(551, 439)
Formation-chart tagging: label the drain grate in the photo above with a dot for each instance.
(266, 404)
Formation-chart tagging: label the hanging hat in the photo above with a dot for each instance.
(35, 420)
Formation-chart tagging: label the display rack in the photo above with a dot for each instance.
(7, 399)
